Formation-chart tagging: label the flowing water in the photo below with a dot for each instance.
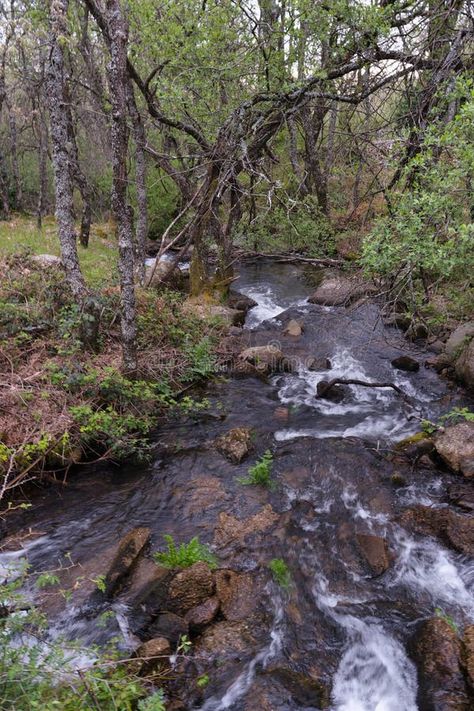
(338, 625)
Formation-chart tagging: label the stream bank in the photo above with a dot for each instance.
(347, 514)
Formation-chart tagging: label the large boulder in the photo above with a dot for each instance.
(202, 615)
(454, 529)
(157, 271)
(240, 302)
(153, 656)
(294, 328)
(468, 654)
(338, 290)
(47, 260)
(191, 586)
(437, 652)
(406, 363)
(264, 359)
(456, 447)
(167, 625)
(458, 340)
(237, 594)
(218, 312)
(235, 444)
(128, 553)
(375, 551)
(464, 367)
(231, 530)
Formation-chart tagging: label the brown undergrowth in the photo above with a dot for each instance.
(61, 404)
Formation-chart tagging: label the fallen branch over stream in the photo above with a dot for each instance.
(323, 262)
(324, 387)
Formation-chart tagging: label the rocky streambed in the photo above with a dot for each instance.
(374, 525)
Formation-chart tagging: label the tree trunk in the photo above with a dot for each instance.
(141, 230)
(78, 177)
(14, 157)
(118, 81)
(61, 158)
(315, 184)
(42, 139)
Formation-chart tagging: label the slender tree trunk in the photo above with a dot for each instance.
(312, 122)
(141, 229)
(42, 138)
(78, 177)
(14, 157)
(118, 81)
(61, 158)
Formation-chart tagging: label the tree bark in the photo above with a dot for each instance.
(118, 81)
(42, 149)
(78, 177)
(141, 229)
(61, 158)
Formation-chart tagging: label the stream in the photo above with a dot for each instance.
(338, 637)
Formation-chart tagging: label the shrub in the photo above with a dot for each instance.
(280, 572)
(297, 226)
(185, 555)
(38, 673)
(260, 474)
(123, 435)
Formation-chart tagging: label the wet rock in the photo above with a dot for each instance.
(225, 314)
(415, 446)
(316, 364)
(464, 367)
(439, 363)
(282, 414)
(235, 444)
(456, 447)
(47, 260)
(336, 393)
(231, 530)
(191, 586)
(129, 551)
(201, 493)
(459, 339)
(156, 272)
(153, 655)
(399, 320)
(237, 593)
(304, 689)
(468, 654)
(168, 625)
(375, 551)
(240, 302)
(456, 530)
(294, 328)
(436, 650)
(461, 494)
(265, 359)
(226, 639)
(406, 363)
(337, 290)
(202, 615)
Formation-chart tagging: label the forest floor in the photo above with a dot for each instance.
(61, 403)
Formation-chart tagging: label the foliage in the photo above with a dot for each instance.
(447, 618)
(298, 226)
(39, 673)
(457, 414)
(122, 435)
(280, 572)
(429, 234)
(184, 555)
(260, 474)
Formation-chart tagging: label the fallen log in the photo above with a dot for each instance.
(324, 386)
(322, 262)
